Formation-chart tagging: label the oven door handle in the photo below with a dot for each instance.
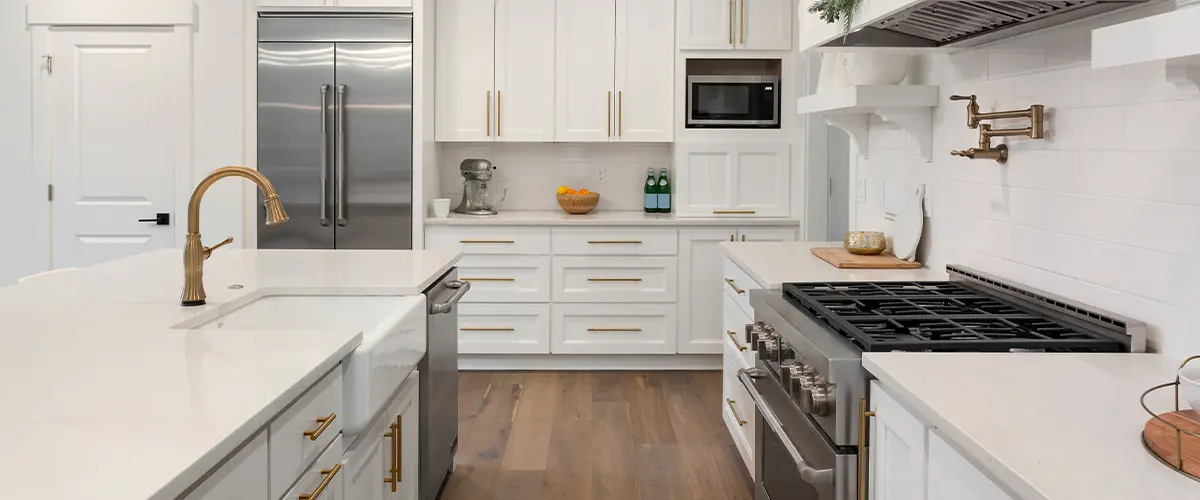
(810, 475)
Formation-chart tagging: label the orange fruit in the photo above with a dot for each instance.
(571, 191)
(583, 191)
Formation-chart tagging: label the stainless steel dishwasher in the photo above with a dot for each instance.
(439, 385)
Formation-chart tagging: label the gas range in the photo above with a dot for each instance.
(809, 383)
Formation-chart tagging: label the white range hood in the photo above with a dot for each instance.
(945, 24)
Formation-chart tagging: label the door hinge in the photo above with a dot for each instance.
(49, 192)
(49, 64)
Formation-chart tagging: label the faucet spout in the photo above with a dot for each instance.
(194, 251)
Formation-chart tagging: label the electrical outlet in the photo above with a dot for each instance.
(860, 189)
(600, 175)
(878, 192)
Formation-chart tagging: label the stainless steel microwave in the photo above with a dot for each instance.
(732, 101)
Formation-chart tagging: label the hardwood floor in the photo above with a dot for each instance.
(594, 436)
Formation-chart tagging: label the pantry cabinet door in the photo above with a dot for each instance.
(701, 319)
(645, 70)
(705, 24)
(524, 70)
(466, 96)
(762, 179)
(704, 174)
(764, 24)
(584, 94)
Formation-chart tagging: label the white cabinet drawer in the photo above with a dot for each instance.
(735, 344)
(613, 329)
(324, 480)
(506, 278)
(615, 241)
(614, 279)
(737, 285)
(737, 409)
(490, 240)
(302, 431)
(504, 329)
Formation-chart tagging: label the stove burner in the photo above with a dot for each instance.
(936, 316)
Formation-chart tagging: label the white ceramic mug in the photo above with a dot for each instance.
(441, 208)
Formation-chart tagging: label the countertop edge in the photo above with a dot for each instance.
(194, 473)
(558, 220)
(749, 268)
(429, 280)
(1005, 477)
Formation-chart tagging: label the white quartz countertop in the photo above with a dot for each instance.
(1046, 426)
(104, 399)
(773, 264)
(601, 218)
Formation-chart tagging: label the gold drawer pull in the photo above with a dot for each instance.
(328, 473)
(393, 433)
(488, 279)
(733, 212)
(316, 433)
(733, 336)
(609, 280)
(486, 329)
(614, 329)
(484, 242)
(615, 242)
(736, 415)
(734, 286)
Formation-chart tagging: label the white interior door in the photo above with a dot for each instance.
(585, 51)
(645, 66)
(466, 97)
(524, 70)
(119, 100)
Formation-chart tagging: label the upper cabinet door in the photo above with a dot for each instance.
(584, 93)
(524, 69)
(764, 24)
(706, 24)
(762, 182)
(703, 176)
(466, 97)
(645, 68)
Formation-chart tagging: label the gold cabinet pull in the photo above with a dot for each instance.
(731, 237)
(488, 242)
(742, 22)
(498, 113)
(608, 115)
(486, 329)
(863, 447)
(734, 286)
(600, 329)
(733, 336)
(397, 469)
(730, 22)
(488, 279)
(316, 433)
(394, 435)
(488, 110)
(612, 280)
(615, 242)
(620, 114)
(743, 237)
(736, 415)
(727, 212)
(328, 473)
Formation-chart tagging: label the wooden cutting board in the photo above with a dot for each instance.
(1161, 439)
(842, 259)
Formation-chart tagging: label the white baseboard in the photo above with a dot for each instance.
(502, 362)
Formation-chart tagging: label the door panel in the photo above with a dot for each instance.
(645, 69)
(704, 176)
(377, 80)
(700, 284)
(290, 120)
(764, 24)
(524, 70)
(898, 450)
(466, 96)
(705, 24)
(763, 179)
(585, 50)
(120, 128)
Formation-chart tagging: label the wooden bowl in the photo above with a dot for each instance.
(578, 204)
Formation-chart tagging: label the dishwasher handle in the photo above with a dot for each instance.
(460, 288)
(808, 473)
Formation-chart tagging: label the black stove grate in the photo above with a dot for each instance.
(937, 316)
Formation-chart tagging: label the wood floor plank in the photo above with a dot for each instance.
(569, 469)
(613, 475)
(533, 418)
(650, 419)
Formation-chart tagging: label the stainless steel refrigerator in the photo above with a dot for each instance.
(335, 128)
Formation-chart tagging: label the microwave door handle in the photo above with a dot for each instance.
(810, 475)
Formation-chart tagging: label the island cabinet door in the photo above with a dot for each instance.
(898, 450)
(382, 465)
(243, 476)
(951, 477)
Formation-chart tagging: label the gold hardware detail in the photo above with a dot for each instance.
(733, 336)
(863, 447)
(608, 115)
(488, 108)
(488, 279)
(742, 22)
(597, 329)
(497, 113)
(985, 151)
(743, 237)
(734, 287)
(328, 473)
(194, 252)
(486, 329)
(730, 22)
(498, 242)
(736, 415)
(611, 242)
(394, 434)
(324, 421)
(630, 280)
(731, 237)
(620, 113)
(397, 456)
(733, 212)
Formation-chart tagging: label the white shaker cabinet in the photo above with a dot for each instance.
(495, 71)
(383, 464)
(734, 179)
(765, 24)
(645, 79)
(705, 24)
(734, 24)
(586, 66)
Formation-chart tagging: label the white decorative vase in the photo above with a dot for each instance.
(877, 68)
(833, 72)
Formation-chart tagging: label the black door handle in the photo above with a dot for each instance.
(160, 219)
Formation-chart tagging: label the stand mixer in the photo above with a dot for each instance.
(481, 195)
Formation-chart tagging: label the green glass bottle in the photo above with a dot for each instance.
(664, 192)
(651, 193)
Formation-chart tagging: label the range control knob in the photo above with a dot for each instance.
(798, 379)
(818, 399)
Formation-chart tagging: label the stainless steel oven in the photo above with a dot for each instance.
(733, 101)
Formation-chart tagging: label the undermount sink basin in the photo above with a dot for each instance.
(306, 312)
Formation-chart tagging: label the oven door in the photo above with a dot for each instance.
(733, 101)
(793, 460)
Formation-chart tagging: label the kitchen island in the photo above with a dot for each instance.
(113, 391)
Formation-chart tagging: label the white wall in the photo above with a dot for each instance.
(1105, 211)
(21, 253)
(532, 172)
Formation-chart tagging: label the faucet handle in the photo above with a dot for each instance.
(966, 153)
(209, 250)
(957, 97)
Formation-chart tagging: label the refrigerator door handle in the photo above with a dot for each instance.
(324, 174)
(339, 180)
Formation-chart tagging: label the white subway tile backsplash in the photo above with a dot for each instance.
(1163, 126)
